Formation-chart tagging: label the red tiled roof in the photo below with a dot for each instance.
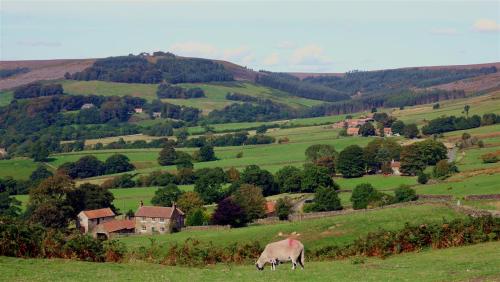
(395, 164)
(106, 212)
(352, 130)
(149, 211)
(270, 207)
(115, 225)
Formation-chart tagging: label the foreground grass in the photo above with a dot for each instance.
(455, 264)
(315, 233)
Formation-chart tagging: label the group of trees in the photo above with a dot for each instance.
(169, 156)
(37, 89)
(89, 166)
(138, 69)
(230, 139)
(386, 81)
(452, 123)
(4, 73)
(365, 196)
(166, 90)
(233, 96)
(417, 156)
(297, 87)
(262, 110)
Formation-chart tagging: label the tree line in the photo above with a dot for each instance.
(166, 90)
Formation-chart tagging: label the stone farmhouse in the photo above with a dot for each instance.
(151, 220)
(89, 219)
(395, 167)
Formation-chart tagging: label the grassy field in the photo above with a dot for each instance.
(470, 263)
(314, 233)
(17, 168)
(5, 97)
(489, 103)
(106, 88)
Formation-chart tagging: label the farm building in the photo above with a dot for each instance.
(138, 110)
(87, 106)
(353, 131)
(149, 219)
(387, 131)
(88, 220)
(270, 208)
(156, 114)
(112, 228)
(395, 167)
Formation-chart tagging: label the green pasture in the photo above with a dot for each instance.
(20, 168)
(378, 181)
(459, 187)
(315, 233)
(6, 97)
(489, 103)
(107, 88)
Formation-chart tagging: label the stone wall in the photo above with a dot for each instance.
(482, 197)
(207, 227)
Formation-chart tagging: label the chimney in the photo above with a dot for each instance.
(174, 205)
(141, 204)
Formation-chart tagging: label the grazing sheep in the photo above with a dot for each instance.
(281, 251)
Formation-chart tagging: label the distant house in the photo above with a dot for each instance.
(387, 131)
(396, 166)
(353, 131)
(89, 219)
(340, 124)
(270, 208)
(112, 228)
(87, 106)
(156, 114)
(3, 152)
(149, 219)
(138, 110)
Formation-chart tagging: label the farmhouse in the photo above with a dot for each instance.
(150, 220)
(395, 167)
(87, 106)
(270, 208)
(112, 228)
(3, 152)
(88, 220)
(138, 110)
(353, 131)
(387, 131)
(156, 114)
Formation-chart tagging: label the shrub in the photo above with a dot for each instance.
(283, 208)
(250, 199)
(444, 169)
(326, 199)
(165, 196)
(195, 218)
(364, 194)
(422, 178)
(229, 213)
(351, 162)
(404, 194)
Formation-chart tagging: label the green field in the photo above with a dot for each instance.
(471, 263)
(106, 88)
(315, 233)
(6, 97)
(17, 168)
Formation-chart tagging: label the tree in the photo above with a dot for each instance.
(367, 129)
(189, 202)
(289, 179)
(209, 188)
(165, 196)
(404, 194)
(254, 175)
(40, 173)
(435, 106)
(48, 203)
(283, 208)
(39, 153)
(412, 161)
(422, 177)
(183, 161)
(362, 195)
(118, 163)
(167, 156)
(466, 110)
(315, 152)
(398, 127)
(326, 199)
(207, 154)
(233, 174)
(87, 166)
(9, 206)
(229, 213)
(182, 135)
(411, 131)
(250, 199)
(195, 218)
(315, 177)
(444, 169)
(431, 151)
(90, 197)
(350, 162)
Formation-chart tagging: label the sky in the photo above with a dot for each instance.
(298, 36)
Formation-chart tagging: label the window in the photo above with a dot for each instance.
(162, 219)
(144, 227)
(162, 229)
(143, 218)
(154, 218)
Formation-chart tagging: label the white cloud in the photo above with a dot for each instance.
(444, 31)
(193, 49)
(311, 54)
(38, 43)
(486, 25)
(286, 45)
(242, 54)
(272, 59)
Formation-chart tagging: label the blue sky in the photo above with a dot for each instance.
(333, 36)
